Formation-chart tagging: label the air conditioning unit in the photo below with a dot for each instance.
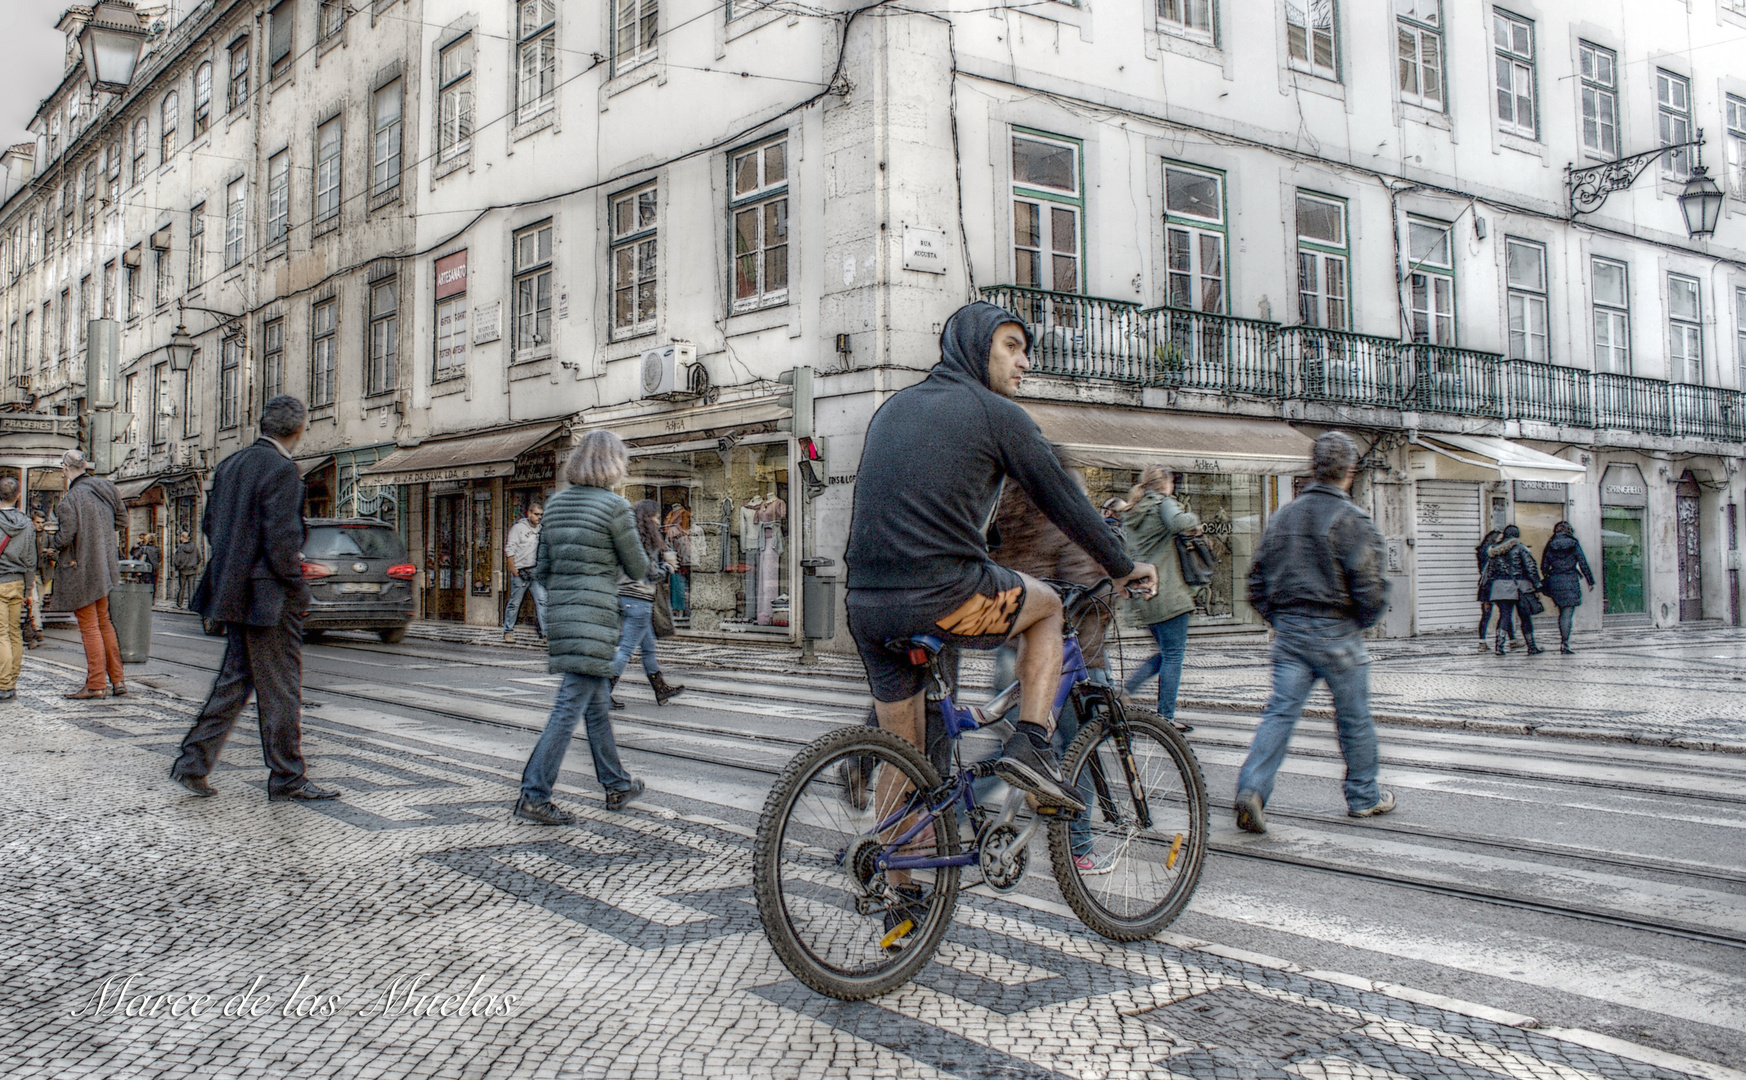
(667, 370)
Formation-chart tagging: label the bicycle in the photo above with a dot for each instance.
(860, 807)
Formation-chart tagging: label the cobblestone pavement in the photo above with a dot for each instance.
(412, 930)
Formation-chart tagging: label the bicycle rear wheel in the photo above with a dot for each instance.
(835, 920)
(1144, 867)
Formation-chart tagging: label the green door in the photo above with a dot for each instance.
(1622, 560)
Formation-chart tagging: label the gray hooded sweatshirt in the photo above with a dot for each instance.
(18, 561)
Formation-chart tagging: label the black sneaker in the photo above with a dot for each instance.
(904, 915)
(1036, 770)
(616, 800)
(543, 813)
(1249, 816)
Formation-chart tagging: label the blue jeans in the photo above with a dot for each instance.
(638, 633)
(1172, 638)
(1305, 649)
(578, 696)
(518, 587)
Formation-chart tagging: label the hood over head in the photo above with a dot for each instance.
(969, 334)
(12, 521)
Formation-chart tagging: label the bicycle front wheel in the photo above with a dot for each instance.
(1128, 865)
(842, 925)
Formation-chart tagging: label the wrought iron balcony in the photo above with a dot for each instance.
(1357, 369)
(1549, 393)
(1081, 336)
(1196, 350)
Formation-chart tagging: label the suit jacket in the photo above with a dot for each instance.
(254, 529)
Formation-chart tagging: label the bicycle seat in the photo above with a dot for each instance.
(918, 648)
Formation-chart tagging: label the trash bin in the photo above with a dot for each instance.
(130, 609)
(818, 597)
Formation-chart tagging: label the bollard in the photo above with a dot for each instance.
(130, 610)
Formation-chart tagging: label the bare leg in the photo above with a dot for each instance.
(1038, 633)
(907, 719)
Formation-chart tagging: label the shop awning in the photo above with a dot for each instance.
(1116, 438)
(471, 457)
(1499, 458)
(133, 489)
(305, 466)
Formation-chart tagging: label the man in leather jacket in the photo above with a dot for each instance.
(1317, 578)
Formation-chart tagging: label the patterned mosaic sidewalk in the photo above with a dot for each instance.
(411, 930)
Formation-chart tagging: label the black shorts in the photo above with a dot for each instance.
(975, 613)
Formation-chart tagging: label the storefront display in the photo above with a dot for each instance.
(726, 514)
(1624, 503)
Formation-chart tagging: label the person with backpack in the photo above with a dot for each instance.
(1150, 527)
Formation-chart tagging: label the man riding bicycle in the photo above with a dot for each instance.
(929, 482)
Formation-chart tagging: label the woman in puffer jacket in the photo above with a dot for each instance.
(1565, 568)
(1509, 579)
(1480, 554)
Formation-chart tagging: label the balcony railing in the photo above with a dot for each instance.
(1091, 337)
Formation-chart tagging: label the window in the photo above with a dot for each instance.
(278, 196)
(451, 316)
(202, 98)
(1525, 274)
(233, 223)
(229, 381)
(759, 211)
(63, 339)
(1309, 36)
(80, 324)
(1431, 281)
(69, 203)
(272, 359)
(160, 404)
(1673, 115)
(1322, 262)
(109, 289)
(633, 261)
(323, 344)
(190, 399)
(35, 235)
(196, 247)
(1612, 317)
(112, 169)
(54, 135)
(88, 195)
(384, 337)
(51, 229)
(135, 304)
(139, 151)
(1685, 354)
(1194, 239)
(332, 18)
(1047, 201)
(164, 284)
(455, 117)
(238, 93)
(327, 171)
(12, 351)
(1512, 41)
(1419, 35)
(1740, 334)
(279, 34)
(1600, 100)
(385, 147)
(167, 137)
(131, 405)
(536, 56)
(634, 24)
(533, 292)
(24, 356)
(1736, 148)
(1188, 18)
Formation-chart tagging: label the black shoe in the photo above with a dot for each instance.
(304, 792)
(543, 813)
(610, 687)
(1036, 770)
(1249, 817)
(196, 784)
(616, 800)
(8, 695)
(904, 914)
(1566, 649)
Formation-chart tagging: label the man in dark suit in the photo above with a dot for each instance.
(254, 585)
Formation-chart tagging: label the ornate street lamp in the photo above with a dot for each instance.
(111, 42)
(1700, 203)
(181, 349)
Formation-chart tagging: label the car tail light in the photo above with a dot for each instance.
(403, 572)
(317, 570)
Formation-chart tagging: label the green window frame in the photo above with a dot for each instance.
(1047, 216)
(1324, 260)
(1196, 238)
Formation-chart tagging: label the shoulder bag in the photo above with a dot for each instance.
(1196, 558)
(661, 614)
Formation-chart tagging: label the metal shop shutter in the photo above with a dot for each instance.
(1446, 582)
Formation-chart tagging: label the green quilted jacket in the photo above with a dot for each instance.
(588, 536)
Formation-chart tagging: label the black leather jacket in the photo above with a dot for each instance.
(1510, 560)
(1320, 556)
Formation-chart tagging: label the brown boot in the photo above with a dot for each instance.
(664, 692)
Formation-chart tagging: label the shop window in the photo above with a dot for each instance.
(1431, 281)
(1622, 561)
(1673, 121)
(1309, 37)
(759, 214)
(634, 307)
(1600, 101)
(1322, 261)
(533, 293)
(1612, 317)
(1685, 338)
(1512, 39)
(1419, 45)
(1048, 204)
(1525, 270)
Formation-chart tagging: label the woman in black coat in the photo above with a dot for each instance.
(1510, 579)
(1485, 604)
(1565, 568)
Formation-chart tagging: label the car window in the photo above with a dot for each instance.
(353, 541)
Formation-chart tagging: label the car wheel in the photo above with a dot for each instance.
(392, 637)
(211, 627)
(310, 637)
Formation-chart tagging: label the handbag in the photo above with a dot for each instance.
(1530, 602)
(1196, 558)
(661, 615)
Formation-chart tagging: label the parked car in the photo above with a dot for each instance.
(359, 579)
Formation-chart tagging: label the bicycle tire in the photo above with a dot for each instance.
(1143, 725)
(821, 760)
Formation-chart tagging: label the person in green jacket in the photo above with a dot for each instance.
(587, 539)
(1150, 526)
